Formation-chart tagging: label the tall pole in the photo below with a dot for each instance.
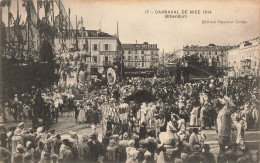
(90, 50)
(81, 28)
(28, 30)
(76, 41)
(69, 24)
(59, 21)
(9, 28)
(53, 20)
(18, 20)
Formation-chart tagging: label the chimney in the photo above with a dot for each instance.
(135, 41)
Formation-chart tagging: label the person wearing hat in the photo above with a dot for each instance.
(224, 122)
(84, 149)
(112, 150)
(147, 157)
(131, 144)
(194, 139)
(38, 151)
(142, 149)
(65, 154)
(28, 158)
(18, 136)
(29, 149)
(5, 155)
(96, 148)
(19, 153)
(54, 158)
(209, 157)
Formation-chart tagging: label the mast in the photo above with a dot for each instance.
(76, 41)
(59, 21)
(28, 29)
(117, 30)
(18, 20)
(9, 28)
(82, 32)
(69, 24)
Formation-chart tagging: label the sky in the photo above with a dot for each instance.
(168, 33)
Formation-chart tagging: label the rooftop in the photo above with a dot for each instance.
(211, 47)
(144, 46)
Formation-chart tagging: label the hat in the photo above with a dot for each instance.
(28, 143)
(206, 147)
(39, 129)
(21, 124)
(125, 136)
(131, 143)
(66, 141)
(54, 156)
(19, 147)
(142, 142)
(93, 136)
(196, 147)
(73, 135)
(147, 153)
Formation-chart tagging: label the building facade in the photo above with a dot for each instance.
(218, 53)
(102, 50)
(144, 57)
(244, 59)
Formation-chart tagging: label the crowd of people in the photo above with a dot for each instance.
(167, 127)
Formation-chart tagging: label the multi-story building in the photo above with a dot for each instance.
(244, 59)
(102, 49)
(219, 53)
(141, 57)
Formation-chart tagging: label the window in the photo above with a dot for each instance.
(136, 64)
(142, 58)
(106, 47)
(95, 59)
(142, 52)
(142, 64)
(85, 47)
(129, 58)
(106, 58)
(129, 52)
(95, 47)
(135, 51)
(136, 57)
(123, 52)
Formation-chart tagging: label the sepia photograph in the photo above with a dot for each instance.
(129, 81)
